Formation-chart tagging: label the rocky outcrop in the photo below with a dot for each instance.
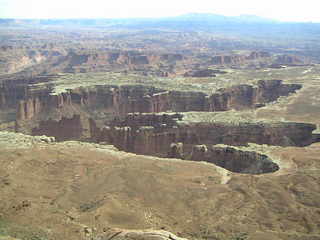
(282, 61)
(239, 59)
(246, 96)
(154, 134)
(258, 54)
(122, 234)
(121, 60)
(38, 108)
(11, 95)
(161, 134)
(118, 101)
(137, 98)
(171, 57)
(50, 60)
(29, 108)
(75, 128)
(176, 150)
(188, 101)
(128, 99)
(16, 59)
(234, 160)
(237, 97)
(269, 91)
(12, 91)
(228, 59)
(289, 60)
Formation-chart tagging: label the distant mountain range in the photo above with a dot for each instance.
(244, 25)
(222, 18)
(190, 17)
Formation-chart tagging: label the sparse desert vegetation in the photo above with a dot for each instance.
(133, 129)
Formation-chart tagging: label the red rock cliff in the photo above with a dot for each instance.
(153, 134)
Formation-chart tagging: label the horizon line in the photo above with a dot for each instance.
(266, 19)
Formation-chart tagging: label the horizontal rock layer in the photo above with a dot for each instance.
(153, 134)
(120, 100)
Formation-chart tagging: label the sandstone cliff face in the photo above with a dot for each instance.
(238, 59)
(289, 60)
(238, 97)
(118, 100)
(276, 62)
(25, 61)
(246, 96)
(188, 101)
(11, 95)
(14, 91)
(28, 109)
(153, 134)
(16, 59)
(75, 128)
(32, 106)
(127, 99)
(258, 54)
(269, 91)
(51, 60)
(103, 103)
(78, 62)
(226, 59)
(113, 101)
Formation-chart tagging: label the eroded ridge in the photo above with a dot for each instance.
(234, 160)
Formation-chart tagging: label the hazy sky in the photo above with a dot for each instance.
(287, 10)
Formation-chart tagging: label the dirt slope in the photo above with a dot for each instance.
(60, 190)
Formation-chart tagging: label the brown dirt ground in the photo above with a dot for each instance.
(57, 189)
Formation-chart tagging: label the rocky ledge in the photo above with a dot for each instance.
(152, 134)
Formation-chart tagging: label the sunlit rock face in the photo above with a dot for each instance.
(154, 134)
(82, 113)
(246, 96)
(136, 98)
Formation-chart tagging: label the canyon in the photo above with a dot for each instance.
(152, 121)
(52, 59)
(113, 131)
(121, 100)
